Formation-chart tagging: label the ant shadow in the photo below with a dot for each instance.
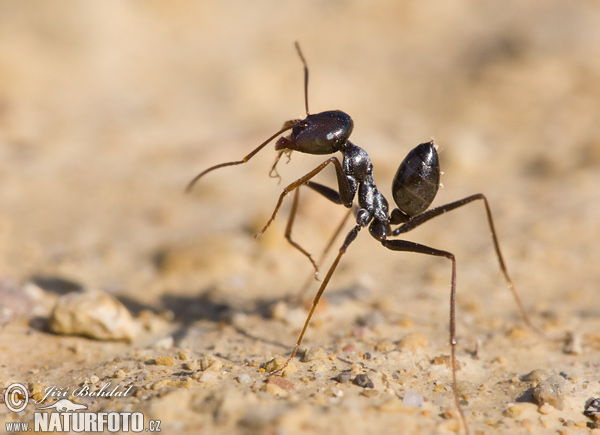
(212, 306)
(208, 305)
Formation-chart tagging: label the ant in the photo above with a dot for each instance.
(414, 188)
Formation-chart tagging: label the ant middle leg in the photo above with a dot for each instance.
(334, 197)
(349, 239)
(345, 190)
(288, 233)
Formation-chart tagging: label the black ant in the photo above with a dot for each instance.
(414, 188)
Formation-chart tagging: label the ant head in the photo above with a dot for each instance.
(321, 133)
(417, 181)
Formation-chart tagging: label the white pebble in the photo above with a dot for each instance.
(243, 378)
(412, 399)
(92, 314)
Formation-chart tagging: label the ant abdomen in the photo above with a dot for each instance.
(321, 133)
(417, 181)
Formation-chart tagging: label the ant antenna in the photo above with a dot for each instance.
(286, 127)
(305, 76)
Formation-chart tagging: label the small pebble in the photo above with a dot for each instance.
(537, 375)
(164, 343)
(190, 365)
(372, 319)
(314, 355)
(159, 385)
(277, 363)
(281, 382)
(275, 390)
(413, 341)
(183, 355)
(592, 409)
(119, 374)
(443, 360)
(210, 363)
(167, 360)
(349, 348)
(92, 314)
(243, 378)
(356, 369)
(518, 409)
(573, 344)
(279, 311)
(385, 346)
(343, 377)
(206, 376)
(551, 391)
(546, 409)
(337, 393)
(412, 399)
(363, 381)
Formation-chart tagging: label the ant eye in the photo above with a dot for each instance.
(299, 128)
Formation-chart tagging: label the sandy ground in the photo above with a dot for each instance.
(107, 109)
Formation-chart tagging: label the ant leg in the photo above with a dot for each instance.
(349, 239)
(288, 125)
(328, 193)
(346, 192)
(334, 197)
(415, 221)
(288, 233)
(405, 245)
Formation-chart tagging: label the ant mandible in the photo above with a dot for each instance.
(414, 188)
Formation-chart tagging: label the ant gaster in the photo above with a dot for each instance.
(414, 188)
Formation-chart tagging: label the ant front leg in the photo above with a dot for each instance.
(346, 195)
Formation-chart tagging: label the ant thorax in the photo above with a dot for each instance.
(358, 169)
